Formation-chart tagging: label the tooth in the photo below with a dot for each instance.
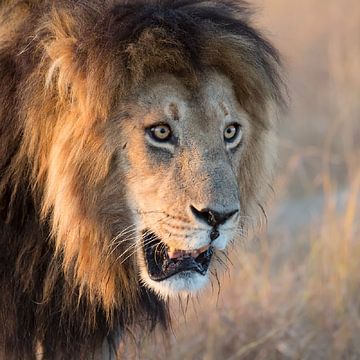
(174, 253)
(171, 252)
(203, 249)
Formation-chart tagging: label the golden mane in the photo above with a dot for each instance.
(65, 68)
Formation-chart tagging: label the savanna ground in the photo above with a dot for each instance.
(293, 290)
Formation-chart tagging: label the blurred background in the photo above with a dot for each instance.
(293, 291)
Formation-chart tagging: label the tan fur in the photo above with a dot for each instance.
(73, 131)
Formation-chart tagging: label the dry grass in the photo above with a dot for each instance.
(295, 293)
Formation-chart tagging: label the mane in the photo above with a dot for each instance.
(66, 67)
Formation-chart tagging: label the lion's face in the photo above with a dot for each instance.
(140, 158)
(182, 166)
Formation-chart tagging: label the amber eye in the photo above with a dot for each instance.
(231, 132)
(161, 132)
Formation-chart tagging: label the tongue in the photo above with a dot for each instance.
(184, 263)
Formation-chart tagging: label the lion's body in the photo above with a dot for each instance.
(69, 71)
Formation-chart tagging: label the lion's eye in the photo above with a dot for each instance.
(161, 132)
(231, 132)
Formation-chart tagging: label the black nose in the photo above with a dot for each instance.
(211, 217)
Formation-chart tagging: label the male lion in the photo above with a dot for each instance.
(136, 143)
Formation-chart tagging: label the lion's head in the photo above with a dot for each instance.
(195, 167)
(147, 133)
(162, 144)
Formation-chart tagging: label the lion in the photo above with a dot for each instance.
(137, 144)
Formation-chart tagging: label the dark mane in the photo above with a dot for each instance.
(87, 56)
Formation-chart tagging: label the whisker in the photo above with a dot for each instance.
(219, 287)
(135, 246)
(138, 244)
(116, 244)
(126, 229)
(132, 250)
(153, 212)
(263, 212)
(131, 237)
(220, 261)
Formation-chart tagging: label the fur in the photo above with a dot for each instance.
(66, 66)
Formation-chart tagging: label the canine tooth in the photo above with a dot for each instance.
(203, 249)
(174, 253)
(171, 254)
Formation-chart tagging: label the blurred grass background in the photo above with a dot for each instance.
(293, 292)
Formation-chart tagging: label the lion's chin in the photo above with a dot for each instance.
(183, 284)
(176, 272)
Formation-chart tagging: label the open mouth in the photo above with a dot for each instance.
(163, 262)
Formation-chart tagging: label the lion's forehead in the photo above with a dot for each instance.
(167, 97)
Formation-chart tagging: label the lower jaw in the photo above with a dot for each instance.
(181, 284)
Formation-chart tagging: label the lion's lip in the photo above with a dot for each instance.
(163, 262)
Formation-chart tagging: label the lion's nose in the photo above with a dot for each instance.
(212, 217)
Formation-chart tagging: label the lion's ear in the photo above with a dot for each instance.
(63, 68)
(74, 72)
